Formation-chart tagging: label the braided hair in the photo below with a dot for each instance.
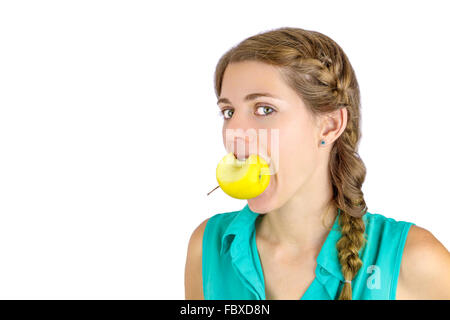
(317, 68)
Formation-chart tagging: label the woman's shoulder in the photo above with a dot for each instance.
(422, 261)
(214, 231)
(424, 267)
(217, 220)
(193, 267)
(212, 226)
(215, 223)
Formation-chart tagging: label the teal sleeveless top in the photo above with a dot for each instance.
(231, 267)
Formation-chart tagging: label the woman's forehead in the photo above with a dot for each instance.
(251, 76)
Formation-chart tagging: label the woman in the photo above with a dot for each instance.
(309, 235)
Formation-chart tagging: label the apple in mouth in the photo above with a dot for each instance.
(243, 179)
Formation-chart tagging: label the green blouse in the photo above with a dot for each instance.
(231, 267)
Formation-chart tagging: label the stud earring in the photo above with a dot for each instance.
(323, 142)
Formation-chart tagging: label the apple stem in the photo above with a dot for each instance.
(212, 190)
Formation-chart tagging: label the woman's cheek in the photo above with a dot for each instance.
(294, 154)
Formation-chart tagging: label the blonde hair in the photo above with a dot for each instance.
(317, 68)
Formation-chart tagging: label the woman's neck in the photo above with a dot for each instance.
(298, 224)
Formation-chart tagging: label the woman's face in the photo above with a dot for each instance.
(293, 151)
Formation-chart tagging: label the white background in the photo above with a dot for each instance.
(110, 134)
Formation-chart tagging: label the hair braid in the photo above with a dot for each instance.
(347, 174)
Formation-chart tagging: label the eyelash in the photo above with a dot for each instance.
(221, 112)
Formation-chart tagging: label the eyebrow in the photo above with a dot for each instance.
(249, 97)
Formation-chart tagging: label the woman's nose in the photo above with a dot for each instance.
(241, 141)
(241, 136)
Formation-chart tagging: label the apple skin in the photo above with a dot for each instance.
(243, 179)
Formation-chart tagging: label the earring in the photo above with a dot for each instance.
(323, 142)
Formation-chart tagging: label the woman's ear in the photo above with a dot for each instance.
(332, 125)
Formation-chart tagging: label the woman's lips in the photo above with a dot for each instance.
(243, 157)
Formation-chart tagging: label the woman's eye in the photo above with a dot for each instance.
(224, 113)
(266, 110)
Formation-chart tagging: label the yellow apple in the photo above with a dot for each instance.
(243, 179)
